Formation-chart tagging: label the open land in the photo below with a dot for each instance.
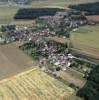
(34, 85)
(94, 18)
(12, 61)
(86, 40)
(72, 76)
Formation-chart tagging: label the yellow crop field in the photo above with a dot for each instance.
(34, 85)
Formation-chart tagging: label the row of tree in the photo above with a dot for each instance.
(32, 13)
(90, 8)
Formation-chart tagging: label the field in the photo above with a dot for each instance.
(73, 76)
(7, 13)
(86, 39)
(58, 3)
(12, 61)
(58, 39)
(34, 85)
(93, 18)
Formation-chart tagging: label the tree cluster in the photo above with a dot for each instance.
(91, 89)
(33, 13)
(90, 8)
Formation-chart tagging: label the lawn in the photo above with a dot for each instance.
(34, 85)
(86, 39)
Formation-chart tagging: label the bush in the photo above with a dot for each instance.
(73, 86)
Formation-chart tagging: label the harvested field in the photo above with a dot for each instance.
(93, 18)
(72, 76)
(34, 85)
(86, 39)
(12, 60)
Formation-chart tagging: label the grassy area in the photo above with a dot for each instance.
(34, 85)
(58, 39)
(7, 13)
(86, 39)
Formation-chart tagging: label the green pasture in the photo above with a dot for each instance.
(86, 38)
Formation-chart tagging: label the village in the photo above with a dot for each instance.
(52, 56)
(58, 25)
(49, 49)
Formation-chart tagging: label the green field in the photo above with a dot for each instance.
(58, 39)
(8, 12)
(34, 85)
(58, 3)
(86, 39)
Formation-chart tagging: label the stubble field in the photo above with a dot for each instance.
(34, 85)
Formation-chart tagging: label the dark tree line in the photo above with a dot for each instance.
(33, 13)
(90, 8)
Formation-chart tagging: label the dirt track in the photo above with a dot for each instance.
(12, 61)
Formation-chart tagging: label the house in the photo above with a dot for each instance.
(2, 40)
